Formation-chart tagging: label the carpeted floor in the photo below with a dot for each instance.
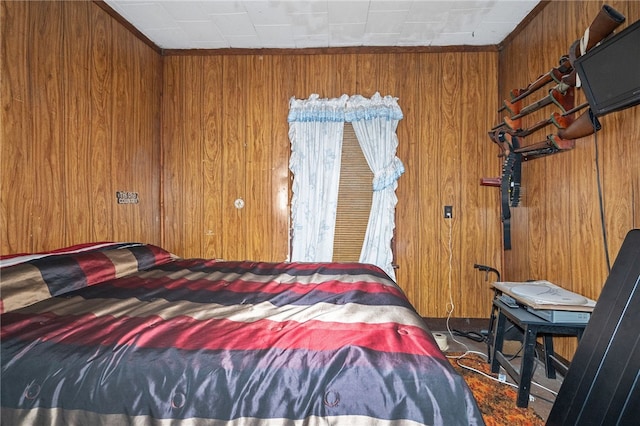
(495, 400)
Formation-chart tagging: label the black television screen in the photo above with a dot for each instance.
(610, 72)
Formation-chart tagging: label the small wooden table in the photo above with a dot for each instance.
(532, 326)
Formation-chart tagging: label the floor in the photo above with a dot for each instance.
(542, 392)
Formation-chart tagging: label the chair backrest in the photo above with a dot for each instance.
(602, 385)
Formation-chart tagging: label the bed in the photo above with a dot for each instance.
(128, 333)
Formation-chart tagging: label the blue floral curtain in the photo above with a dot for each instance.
(315, 130)
(375, 122)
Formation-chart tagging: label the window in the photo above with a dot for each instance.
(327, 174)
(354, 200)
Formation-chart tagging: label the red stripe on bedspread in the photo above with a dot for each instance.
(190, 334)
(65, 250)
(97, 267)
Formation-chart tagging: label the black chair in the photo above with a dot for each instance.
(602, 385)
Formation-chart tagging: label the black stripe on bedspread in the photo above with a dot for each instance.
(181, 290)
(173, 383)
(274, 268)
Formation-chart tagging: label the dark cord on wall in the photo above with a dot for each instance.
(602, 221)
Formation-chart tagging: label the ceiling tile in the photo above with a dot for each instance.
(416, 32)
(387, 21)
(183, 11)
(233, 24)
(201, 31)
(148, 15)
(429, 11)
(220, 6)
(175, 38)
(348, 12)
(276, 35)
(379, 5)
(267, 12)
(243, 42)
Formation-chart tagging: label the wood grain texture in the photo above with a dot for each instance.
(46, 139)
(101, 122)
(16, 104)
(408, 219)
(77, 129)
(80, 120)
(213, 175)
(93, 110)
(557, 232)
(442, 133)
(236, 224)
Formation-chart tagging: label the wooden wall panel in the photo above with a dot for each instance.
(442, 143)
(171, 184)
(280, 187)
(478, 201)
(212, 157)
(423, 237)
(15, 207)
(449, 166)
(80, 120)
(177, 177)
(409, 149)
(191, 165)
(46, 139)
(511, 76)
(77, 107)
(557, 232)
(101, 122)
(235, 221)
(556, 195)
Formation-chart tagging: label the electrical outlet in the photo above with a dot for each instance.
(448, 212)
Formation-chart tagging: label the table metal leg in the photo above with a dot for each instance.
(498, 341)
(526, 366)
(549, 366)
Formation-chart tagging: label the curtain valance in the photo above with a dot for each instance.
(345, 108)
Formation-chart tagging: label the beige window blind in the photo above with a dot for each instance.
(354, 200)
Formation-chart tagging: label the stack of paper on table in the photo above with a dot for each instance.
(545, 295)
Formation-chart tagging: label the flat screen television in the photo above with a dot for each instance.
(610, 72)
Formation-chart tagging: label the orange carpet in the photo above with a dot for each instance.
(496, 401)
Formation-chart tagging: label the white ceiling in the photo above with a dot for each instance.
(219, 24)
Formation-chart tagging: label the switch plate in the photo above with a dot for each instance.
(127, 197)
(448, 212)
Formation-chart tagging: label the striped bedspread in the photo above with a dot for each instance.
(203, 342)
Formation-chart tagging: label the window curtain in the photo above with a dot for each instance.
(315, 131)
(375, 122)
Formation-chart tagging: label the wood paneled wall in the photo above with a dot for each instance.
(80, 121)
(225, 137)
(557, 231)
